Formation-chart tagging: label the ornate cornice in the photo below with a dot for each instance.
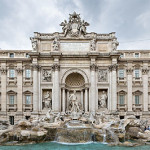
(137, 92)
(122, 92)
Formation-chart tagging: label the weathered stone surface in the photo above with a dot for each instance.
(73, 135)
(133, 131)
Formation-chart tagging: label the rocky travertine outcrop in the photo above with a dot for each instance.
(101, 128)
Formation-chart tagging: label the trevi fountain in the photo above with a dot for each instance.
(76, 128)
(74, 90)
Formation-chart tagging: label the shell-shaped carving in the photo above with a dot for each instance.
(75, 80)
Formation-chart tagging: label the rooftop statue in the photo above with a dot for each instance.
(75, 27)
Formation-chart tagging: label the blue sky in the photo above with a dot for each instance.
(130, 19)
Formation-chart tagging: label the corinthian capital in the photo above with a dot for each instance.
(129, 70)
(93, 67)
(56, 67)
(36, 67)
(113, 67)
(3, 71)
(19, 70)
(145, 70)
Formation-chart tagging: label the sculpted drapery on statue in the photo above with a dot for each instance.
(75, 27)
(56, 44)
(47, 75)
(74, 105)
(102, 100)
(47, 100)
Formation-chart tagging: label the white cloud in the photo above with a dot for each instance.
(20, 18)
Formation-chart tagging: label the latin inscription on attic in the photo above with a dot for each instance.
(78, 46)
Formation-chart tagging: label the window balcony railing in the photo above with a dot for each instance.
(137, 107)
(11, 107)
(11, 80)
(27, 81)
(137, 80)
(122, 107)
(27, 107)
(122, 80)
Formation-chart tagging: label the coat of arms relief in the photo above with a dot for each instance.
(75, 26)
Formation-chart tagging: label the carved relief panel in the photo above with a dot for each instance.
(102, 75)
(47, 75)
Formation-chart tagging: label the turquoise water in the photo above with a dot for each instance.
(57, 146)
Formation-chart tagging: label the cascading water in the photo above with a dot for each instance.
(74, 131)
(104, 139)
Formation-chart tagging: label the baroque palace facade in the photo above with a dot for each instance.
(89, 64)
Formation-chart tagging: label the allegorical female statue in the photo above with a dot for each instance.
(102, 100)
(47, 100)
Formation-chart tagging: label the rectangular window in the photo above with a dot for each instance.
(121, 56)
(11, 55)
(11, 99)
(11, 73)
(28, 73)
(136, 55)
(137, 73)
(28, 99)
(11, 119)
(27, 55)
(121, 73)
(137, 99)
(121, 99)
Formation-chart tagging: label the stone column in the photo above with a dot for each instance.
(35, 88)
(86, 100)
(3, 87)
(145, 88)
(110, 93)
(82, 98)
(67, 98)
(92, 89)
(56, 88)
(19, 88)
(129, 87)
(63, 99)
(113, 87)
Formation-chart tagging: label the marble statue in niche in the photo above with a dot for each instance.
(102, 75)
(34, 44)
(56, 44)
(93, 45)
(115, 43)
(47, 76)
(47, 101)
(74, 105)
(102, 100)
